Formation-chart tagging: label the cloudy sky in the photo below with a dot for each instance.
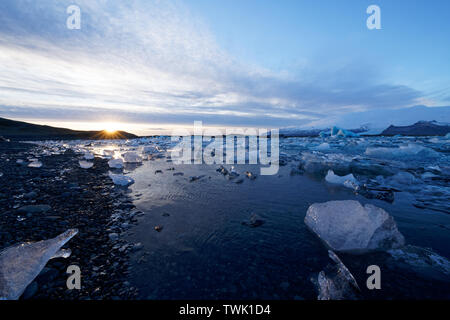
(158, 64)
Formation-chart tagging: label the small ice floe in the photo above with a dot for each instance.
(428, 175)
(150, 149)
(322, 147)
(402, 180)
(108, 153)
(131, 157)
(88, 156)
(336, 282)
(35, 164)
(21, 263)
(422, 260)
(402, 152)
(347, 226)
(348, 181)
(115, 163)
(20, 161)
(85, 164)
(1, 174)
(121, 180)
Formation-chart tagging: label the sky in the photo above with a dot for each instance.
(146, 66)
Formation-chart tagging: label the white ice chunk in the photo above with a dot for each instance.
(336, 282)
(21, 263)
(35, 164)
(404, 151)
(108, 153)
(85, 164)
(121, 180)
(88, 156)
(131, 157)
(115, 163)
(322, 147)
(348, 181)
(347, 226)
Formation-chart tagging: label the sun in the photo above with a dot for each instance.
(111, 127)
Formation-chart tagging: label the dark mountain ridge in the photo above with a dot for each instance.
(19, 130)
(421, 128)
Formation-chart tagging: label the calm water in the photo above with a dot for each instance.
(204, 251)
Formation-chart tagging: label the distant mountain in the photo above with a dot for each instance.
(380, 119)
(421, 128)
(18, 130)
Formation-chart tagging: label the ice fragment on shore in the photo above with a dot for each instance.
(121, 180)
(85, 164)
(115, 163)
(21, 263)
(347, 226)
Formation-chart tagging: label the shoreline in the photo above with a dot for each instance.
(78, 198)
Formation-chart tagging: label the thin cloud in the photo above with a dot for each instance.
(155, 60)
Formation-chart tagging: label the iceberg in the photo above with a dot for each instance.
(85, 164)
(21, 263)
(131, 157)
(347, 226)
(121, 180)
(336, 282)
(348, 181)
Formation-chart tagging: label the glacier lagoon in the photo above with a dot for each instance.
(197, 242)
